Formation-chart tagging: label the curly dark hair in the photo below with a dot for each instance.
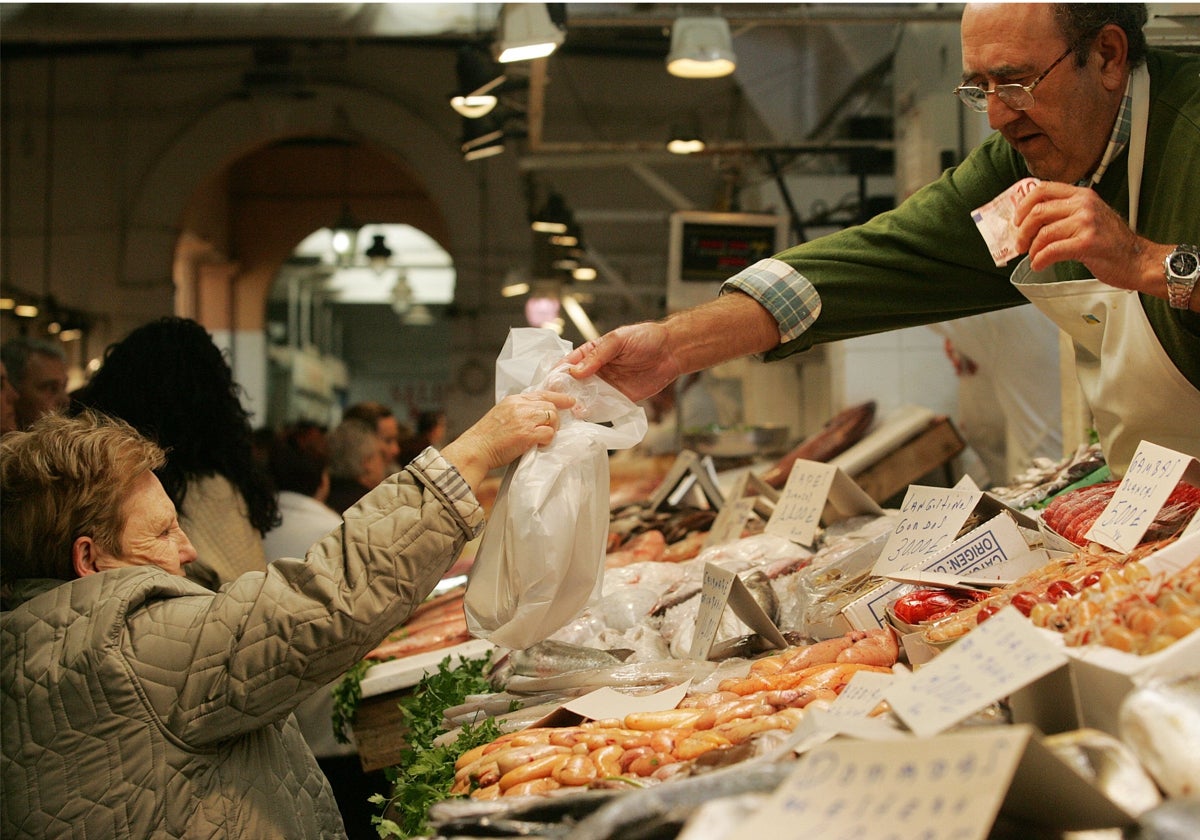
(1081, 22)
(169, 381)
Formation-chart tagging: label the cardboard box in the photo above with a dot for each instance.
(1089, 690)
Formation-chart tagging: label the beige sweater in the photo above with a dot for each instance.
(217, 521)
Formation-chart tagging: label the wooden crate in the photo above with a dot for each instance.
(933, 448)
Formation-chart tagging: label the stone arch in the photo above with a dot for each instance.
(238, 127)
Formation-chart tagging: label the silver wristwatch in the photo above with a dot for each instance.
(1183, 270)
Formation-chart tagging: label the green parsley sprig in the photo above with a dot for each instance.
(425, 773)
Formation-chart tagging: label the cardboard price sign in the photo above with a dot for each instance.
(930, 518)
(814, 492)
(946, 788)
(995, 659)
(1152, 475)
(722, 587)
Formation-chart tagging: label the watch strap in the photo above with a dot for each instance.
(1180, 288)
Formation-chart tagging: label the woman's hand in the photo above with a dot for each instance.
(512, 427)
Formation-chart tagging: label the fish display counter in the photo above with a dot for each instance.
(723, 685)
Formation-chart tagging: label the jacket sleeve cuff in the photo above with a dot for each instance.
(440, 475)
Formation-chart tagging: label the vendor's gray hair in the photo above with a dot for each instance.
(1081, 22)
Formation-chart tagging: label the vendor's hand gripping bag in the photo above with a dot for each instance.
(541, 558)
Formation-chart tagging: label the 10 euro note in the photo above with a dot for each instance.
(995, 220)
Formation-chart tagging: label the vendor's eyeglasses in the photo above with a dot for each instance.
(1017, 97)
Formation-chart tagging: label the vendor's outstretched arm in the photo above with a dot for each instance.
(642, 359)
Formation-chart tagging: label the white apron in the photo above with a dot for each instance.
(1132, 387)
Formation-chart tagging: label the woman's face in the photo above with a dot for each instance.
(152, 536)
(389, 432)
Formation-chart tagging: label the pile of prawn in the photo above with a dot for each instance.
(648, 747)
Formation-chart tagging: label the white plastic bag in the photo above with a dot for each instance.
(541, 558)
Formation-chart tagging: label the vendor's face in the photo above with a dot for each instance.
(152, 536)
(1063, 136)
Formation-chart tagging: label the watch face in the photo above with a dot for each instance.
(1184, 263)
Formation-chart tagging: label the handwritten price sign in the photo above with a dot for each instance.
(1152, 475)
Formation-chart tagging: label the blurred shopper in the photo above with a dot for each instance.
(38, 370)
(172, 383)
(356, 463)
(386, 426)
(431, 431)
(135, 703)
(8, 402)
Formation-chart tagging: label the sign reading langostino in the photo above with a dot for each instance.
(931, 518)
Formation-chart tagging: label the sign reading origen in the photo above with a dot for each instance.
(979, 553)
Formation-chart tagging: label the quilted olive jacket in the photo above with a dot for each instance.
(137, 704)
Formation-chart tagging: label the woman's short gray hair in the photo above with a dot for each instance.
(65, 478)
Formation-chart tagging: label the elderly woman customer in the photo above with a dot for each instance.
(136, 703)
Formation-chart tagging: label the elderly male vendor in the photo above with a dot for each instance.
(1112, 131)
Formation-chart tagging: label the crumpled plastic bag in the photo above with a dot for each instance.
(541, 559)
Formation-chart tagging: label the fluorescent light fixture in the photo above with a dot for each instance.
(25, 311)
(514, 289)
(584, 273)
(473, 105)
(478, 79)
(701, 48)
(685, 146)
(579, 318)
(482, 138)
(553, 218)
(526, 32)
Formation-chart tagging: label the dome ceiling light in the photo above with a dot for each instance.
(526, 32)
(701, 48)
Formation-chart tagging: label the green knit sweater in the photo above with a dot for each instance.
(925, 262)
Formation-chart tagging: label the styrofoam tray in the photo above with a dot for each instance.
(407, 672)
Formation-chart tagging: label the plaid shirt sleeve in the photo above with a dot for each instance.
(784, 292)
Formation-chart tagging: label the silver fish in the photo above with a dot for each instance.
(551, 656)
(674, 801)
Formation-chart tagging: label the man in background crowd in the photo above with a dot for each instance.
(38, 371)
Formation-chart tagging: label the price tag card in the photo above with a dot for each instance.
(797, 515)
(946, 788)
(723, 587)
(1152, 475)
(861, 695)
(605, 703)
(930, 518)
(992, 661)
(730, 522)
(680, 469)
(816, 492)
(990, 555)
